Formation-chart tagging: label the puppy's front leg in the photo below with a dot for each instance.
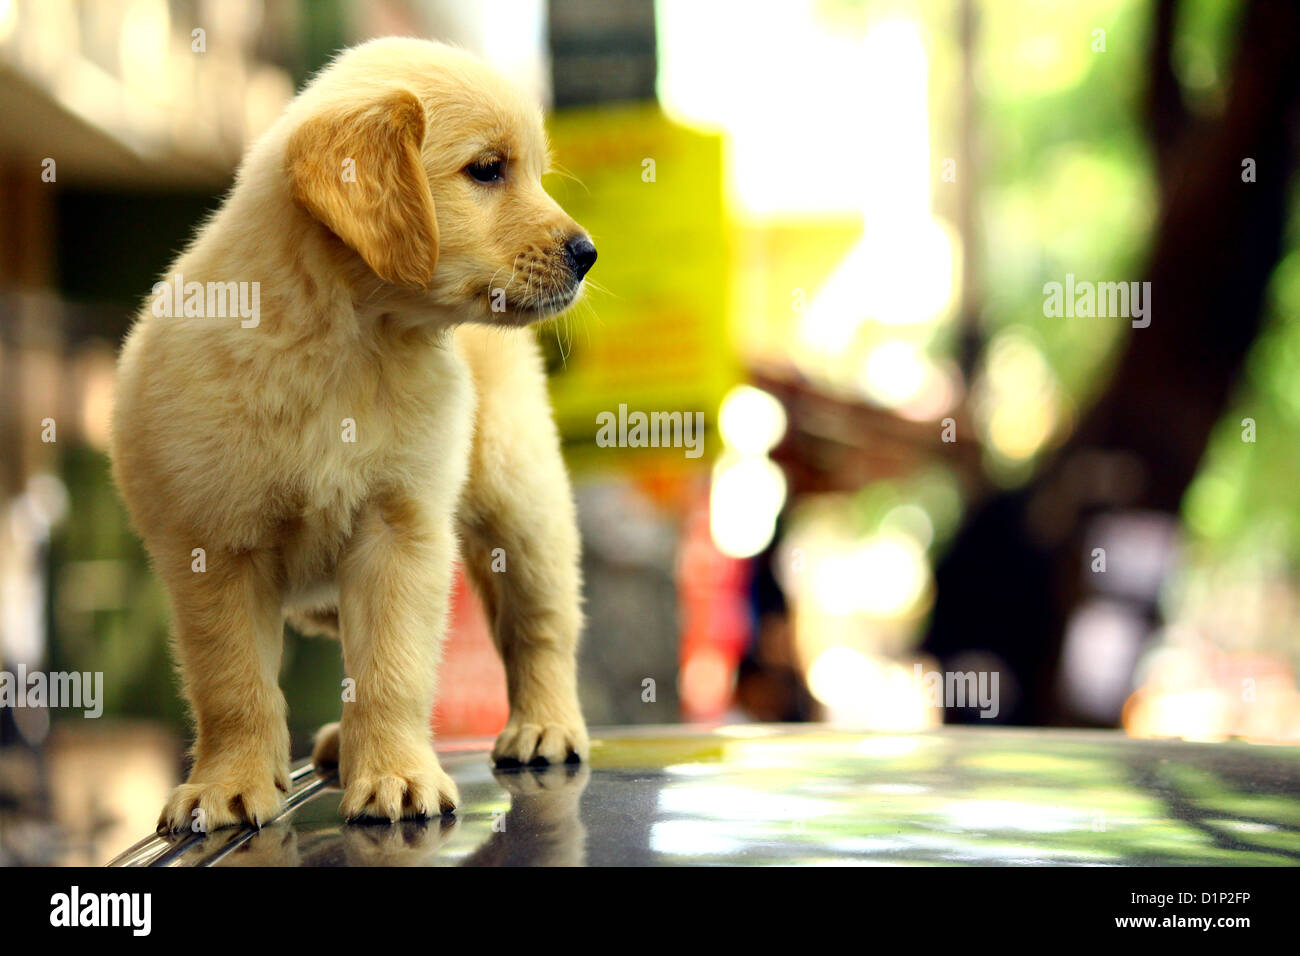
(394, 584)
(228, 638)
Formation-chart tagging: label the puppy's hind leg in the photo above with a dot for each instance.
(521, 549)
(229, 638)
(319, 622)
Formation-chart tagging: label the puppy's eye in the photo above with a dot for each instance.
(489, 172)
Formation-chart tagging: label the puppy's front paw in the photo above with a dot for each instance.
(209, 804)
(541, 742)
(388, 793)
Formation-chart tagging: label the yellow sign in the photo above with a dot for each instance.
(652, 333)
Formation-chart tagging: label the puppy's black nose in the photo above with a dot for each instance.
(581, 255)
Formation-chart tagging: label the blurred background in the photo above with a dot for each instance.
(826, 225)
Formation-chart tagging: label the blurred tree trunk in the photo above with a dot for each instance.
(1015, 573)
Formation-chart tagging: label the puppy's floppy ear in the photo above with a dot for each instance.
(358, 170)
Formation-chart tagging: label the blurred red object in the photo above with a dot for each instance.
(711, 590)
(471, 697)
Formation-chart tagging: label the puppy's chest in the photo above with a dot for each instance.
(394, 428)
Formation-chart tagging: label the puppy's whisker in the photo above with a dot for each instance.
(597, 287)
(591, 311)
(514, 266)
(564, 356)
(561, 171)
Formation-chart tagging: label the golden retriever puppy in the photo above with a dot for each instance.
(371, 406)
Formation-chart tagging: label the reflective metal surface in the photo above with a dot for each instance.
(807, 795)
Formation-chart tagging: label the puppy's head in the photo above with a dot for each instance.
(427, 166)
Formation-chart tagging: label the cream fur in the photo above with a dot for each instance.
(376, 300)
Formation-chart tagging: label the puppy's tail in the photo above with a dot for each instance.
(325, 750)
(321, 622)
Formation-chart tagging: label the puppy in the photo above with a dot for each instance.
(326, 454)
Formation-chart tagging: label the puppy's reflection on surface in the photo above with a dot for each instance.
(406, 843)
(273, 845)
(543, 826)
